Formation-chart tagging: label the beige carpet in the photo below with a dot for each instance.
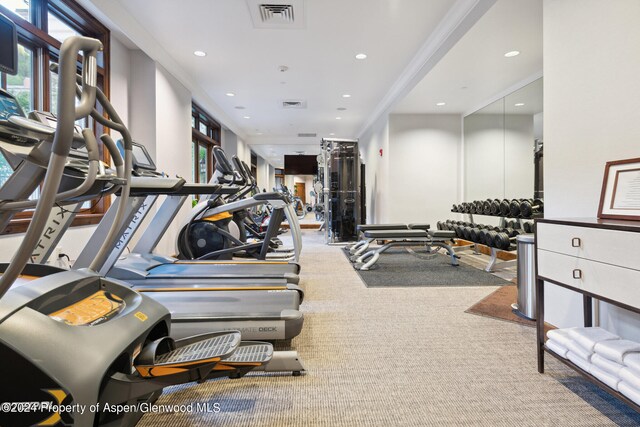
(399, 357)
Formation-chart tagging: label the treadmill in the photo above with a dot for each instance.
(73, 336)
(201, 296)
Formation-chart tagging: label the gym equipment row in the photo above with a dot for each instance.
(75, 334)
(511, 208)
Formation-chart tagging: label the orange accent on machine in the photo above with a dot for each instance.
(93, 310)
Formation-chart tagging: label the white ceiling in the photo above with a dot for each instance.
(475, 70)
(452, 43)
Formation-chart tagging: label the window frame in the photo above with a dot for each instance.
(208, 140)
(33, 34)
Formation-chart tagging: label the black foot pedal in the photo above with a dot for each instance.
(248, 356)
(254, 352)
(166, 357)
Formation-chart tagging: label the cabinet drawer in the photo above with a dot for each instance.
(613, 247)
(616, 283)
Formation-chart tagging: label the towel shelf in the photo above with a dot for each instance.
(597, 258)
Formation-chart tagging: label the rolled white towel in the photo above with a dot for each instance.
(610, 380)
(561, 336)
(629, 391)
(632, 361)
(557, 348)
(579, 350)
(589, 337)
(630, 377)
(616, 349)
(581, 362)
(606, 365)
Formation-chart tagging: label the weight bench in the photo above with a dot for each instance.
(409, 237)
(362, 245)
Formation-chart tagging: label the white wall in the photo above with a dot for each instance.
(234, 146)
(483, 156)
(424, 167)
(263, 173)
(142, 101)
(173, 142)
(591, 107)
(377, 170)
(519, 141)
(272, 178)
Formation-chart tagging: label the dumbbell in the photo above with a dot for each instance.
(454, 208)
(530, 207)
(495, 207)
(503, 240)
(528, 227)
(512, 232)
(485, 236)
(514, 208)
(505, 207)
(466, 233)
(486, 207)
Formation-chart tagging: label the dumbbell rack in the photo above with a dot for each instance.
(494, 261)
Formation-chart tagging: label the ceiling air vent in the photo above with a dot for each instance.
(277, 14)
(307, 135)
(294, 103)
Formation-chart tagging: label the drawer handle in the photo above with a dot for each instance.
(577, 273)
(575, 242)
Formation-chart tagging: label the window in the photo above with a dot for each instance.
(205, 134)
(42, 26)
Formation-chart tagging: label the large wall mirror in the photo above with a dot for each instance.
(500, 145)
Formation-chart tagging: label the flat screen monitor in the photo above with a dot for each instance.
(142, 158)
(8, 46)
(300, 165)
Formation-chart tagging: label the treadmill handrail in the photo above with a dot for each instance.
(63, 138)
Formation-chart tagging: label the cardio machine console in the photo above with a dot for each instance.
(9, 106)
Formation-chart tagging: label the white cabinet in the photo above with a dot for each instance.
(597, 258)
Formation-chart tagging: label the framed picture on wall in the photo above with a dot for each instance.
(620, 196)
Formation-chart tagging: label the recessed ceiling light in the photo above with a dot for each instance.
(200, 53)
(341, 109)
(338, 118)
(230, 94)
(239, 107)
(440, 104)
(346, 95)
(247, 117)
(331, 134)
(361, 56)
(512, 53)
(519, 104)
(259, 133)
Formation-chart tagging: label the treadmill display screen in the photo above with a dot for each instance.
(93, 310)
(9, 106)
(141, 157)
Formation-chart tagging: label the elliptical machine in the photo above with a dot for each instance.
(212, 234)
(72, 343)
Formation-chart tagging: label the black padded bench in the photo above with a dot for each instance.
(407, 237)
